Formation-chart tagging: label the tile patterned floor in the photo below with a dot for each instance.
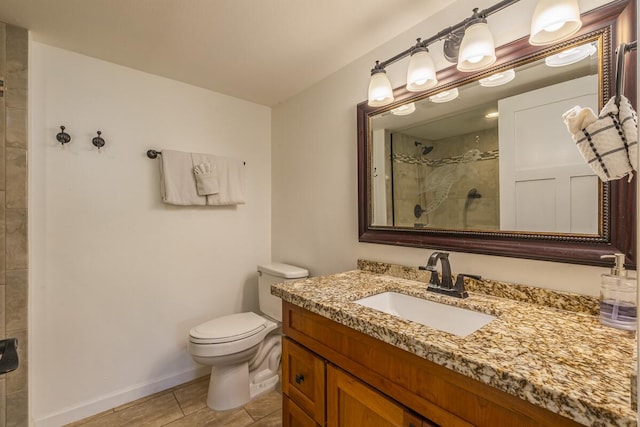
(185, 406)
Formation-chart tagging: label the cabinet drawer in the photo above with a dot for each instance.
(293, 416)
(303, 379)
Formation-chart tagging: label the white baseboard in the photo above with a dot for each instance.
(118, 398)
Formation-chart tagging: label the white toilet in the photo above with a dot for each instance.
(244, 349)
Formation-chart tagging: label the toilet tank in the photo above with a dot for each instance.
(275, 272)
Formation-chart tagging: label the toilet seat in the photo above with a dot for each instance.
(233, 327)
(228, 335)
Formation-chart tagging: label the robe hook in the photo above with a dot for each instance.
(62, 136)
(98, 141)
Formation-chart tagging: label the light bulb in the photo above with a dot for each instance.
(380, 91)
(445, 96)
(554, 20)
(570, 56)
(498, 79)
(421, 73)
(404, 110)
(477, 49)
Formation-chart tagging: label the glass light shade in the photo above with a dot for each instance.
(570, 56)
(498, 79)
(477, 50)
(421, 74)
(446, 96)
(380, 91)
(404, 110)
(554, 20)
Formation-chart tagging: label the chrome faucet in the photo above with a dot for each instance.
(445, 286)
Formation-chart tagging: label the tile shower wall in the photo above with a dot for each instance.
(13, 218)
(435, 178)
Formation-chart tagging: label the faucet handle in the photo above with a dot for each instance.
(460, 282)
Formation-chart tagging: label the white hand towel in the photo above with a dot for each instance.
(178, 184)
(206, 179)
(578, 118)
(602, 143)
(629, 119)
(231, 180)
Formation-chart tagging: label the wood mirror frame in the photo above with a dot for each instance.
(616, 22)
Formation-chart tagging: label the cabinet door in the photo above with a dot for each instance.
(413, 420)
(293, 416)
(303, 379)
(352, 403)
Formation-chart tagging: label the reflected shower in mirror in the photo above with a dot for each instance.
(494, 155)
(483, 162)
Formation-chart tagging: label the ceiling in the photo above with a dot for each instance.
(264, 51)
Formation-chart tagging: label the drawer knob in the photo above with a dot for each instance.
(299, 378)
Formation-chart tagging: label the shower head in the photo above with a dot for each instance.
(426, 150)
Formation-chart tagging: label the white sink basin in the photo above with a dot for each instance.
(447, 318)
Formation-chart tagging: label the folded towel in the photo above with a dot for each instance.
(602, 142)
(206, 179)
(629, 119)
(231, 180)
(178, 184)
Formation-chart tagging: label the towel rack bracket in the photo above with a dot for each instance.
(153, 154)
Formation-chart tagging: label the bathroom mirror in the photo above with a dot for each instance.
(494, 170)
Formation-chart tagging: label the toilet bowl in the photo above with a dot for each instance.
(244, 349)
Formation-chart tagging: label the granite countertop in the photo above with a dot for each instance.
(564, 361)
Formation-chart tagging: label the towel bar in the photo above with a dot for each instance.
(621, 51)
(153, 154)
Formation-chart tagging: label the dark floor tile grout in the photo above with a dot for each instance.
(179, 405)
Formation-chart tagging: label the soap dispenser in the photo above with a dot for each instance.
(618, 307)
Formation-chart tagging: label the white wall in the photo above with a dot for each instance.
(315, 168)
(117, 277)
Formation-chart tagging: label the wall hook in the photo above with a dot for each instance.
(98, 141)
(62, 136)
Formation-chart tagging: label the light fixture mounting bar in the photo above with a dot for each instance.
(447, 31)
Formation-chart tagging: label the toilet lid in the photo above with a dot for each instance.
(229, 328)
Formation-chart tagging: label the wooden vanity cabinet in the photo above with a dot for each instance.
(294, 416)
(303, 380)
(359, 376)
(350, 403)
(308, 382)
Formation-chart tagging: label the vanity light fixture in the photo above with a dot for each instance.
(498, 79)
(404, 110)
(380, 91)
(421, 74)
(492, 115)
(470, 44)
(477, 49)
(446, 96)
(554, 20)
(570, 56)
